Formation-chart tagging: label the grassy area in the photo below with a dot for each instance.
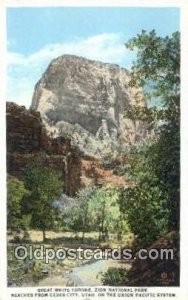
(30, 272)
(91, 238)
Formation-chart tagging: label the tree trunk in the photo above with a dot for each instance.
(99, 236)
(83, 235)
(44, 235)
(102, 222)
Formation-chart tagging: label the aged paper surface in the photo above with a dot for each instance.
(93, 184)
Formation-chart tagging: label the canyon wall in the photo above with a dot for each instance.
(28, 141)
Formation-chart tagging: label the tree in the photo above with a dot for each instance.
(104, 210)
(144, 202)
(155, 170)
(96, 208)
(15, 194)
(78, 216)
(45, 187)
(83, 213)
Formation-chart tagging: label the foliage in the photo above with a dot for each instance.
(147, 212)
(15, 193)
(157, 64)
(154, 196)
(145, 202)
(104, 210)
(78, 216)
(45, 187)
(115, 277)
(97, 209)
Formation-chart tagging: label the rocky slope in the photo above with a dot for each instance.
(86, 101)
(27, 141)
(158, 272)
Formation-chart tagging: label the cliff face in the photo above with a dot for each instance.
(27, 141)
(86, 100)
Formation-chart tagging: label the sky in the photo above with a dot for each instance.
(35, 36)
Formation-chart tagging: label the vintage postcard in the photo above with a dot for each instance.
(92, 205)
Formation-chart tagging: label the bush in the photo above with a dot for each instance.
(115, 277)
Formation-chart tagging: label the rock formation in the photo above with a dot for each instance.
(75, 122)
(27, 141)
(86, 101)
